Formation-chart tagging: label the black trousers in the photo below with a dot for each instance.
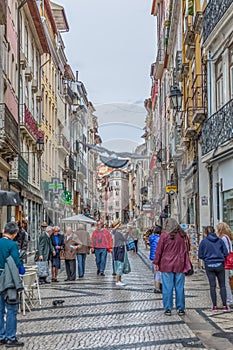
(212, 274)
(71, 269)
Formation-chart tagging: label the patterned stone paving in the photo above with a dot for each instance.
(98, 315)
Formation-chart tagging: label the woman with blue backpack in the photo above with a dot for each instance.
(153, 241)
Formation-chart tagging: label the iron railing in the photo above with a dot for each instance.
(214, 11)
(218, 128)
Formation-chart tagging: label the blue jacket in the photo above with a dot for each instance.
(153, 240)
(212, 250)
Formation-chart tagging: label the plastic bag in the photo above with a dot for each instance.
(43, 268)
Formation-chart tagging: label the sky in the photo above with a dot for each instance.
(113, 44)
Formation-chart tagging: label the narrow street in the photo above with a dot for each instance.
(98, 315)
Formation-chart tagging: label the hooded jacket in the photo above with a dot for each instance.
(212, 250)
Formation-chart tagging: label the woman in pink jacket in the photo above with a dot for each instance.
(170, 259)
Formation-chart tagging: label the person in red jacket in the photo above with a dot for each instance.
(169, 259)
(101, 244)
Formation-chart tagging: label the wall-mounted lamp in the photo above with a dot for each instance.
(40, 145)
(75, 101)
(175, 98)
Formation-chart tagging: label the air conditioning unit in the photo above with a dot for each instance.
(34, 85)
(23, 60)
(28, 73)
(39, 96)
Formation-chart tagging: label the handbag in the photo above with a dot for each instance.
(62, 254)
(188, 266)
(229, 259)
(43, 268)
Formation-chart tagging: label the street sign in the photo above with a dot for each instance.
(171, 189)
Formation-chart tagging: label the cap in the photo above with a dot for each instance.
(44, 224)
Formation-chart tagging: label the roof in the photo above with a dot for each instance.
(59, 17)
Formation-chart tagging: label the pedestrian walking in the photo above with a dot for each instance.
(45, 250)
(170, 260)
(133, 232)
(121, 262)
(224, 232)
(153, 241)
(10, 267)
(22, 239)
(84, 249)
(101, 243)
(213, 251)
(71, 243)
(57, 239)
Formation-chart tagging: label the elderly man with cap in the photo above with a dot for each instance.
(10, 267)
(45, 249)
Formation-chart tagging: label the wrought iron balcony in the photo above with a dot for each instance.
(218, 128)
(213, 13)
(3, 7)
(19, 172)
(28, 124)
(199, 99)
(63, 143)
(8, 134)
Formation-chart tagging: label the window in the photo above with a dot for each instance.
(117, 203)
(219, 85)
(231, 72)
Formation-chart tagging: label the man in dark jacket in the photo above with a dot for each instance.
(45, 249)
(9, 248)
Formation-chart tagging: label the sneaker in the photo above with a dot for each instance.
(3, 341)
(168, 313)
(13, 343)
(98, 272)
(214, 308)
(181, 312)
(102, 274)
(157, 291)
(114, 274)
(226, 309)
(121, 284)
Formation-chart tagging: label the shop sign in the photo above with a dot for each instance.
(171, 189)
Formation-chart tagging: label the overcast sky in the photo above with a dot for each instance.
(112, 45)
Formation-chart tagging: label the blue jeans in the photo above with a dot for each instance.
(81, 258)
(100, 259)
(171, 280)
(8, 327)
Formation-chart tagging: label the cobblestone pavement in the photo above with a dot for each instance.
(98, 315)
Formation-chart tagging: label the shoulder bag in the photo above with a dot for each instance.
(229, 259)
(188, 266)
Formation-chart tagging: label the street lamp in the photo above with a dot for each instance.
(175, 98)
(40, 145)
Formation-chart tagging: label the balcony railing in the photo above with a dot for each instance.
(8, 133)
(218, 128)
(63, 142)
(3, 7)
(199, 99)
(29, 124)
(213, 13)
(19, 172)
